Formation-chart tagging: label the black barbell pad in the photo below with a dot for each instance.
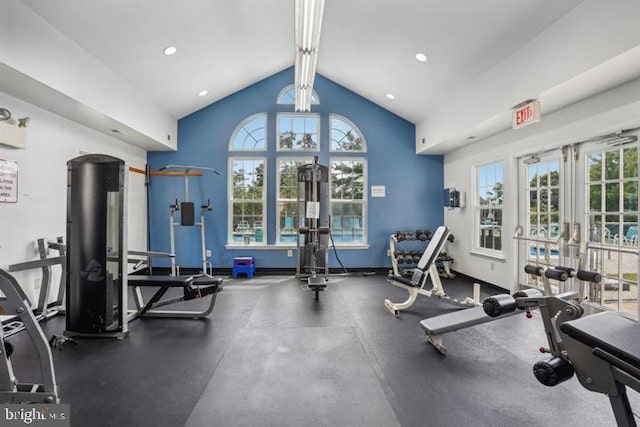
(553, 371)
(589, 276)
(534, 270)
(554, 274)
(498, 305)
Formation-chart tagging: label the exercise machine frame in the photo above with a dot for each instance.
(44, 309)
(15, 302)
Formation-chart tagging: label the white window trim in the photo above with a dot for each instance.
(242, 125)
(278, 160)
(291, 87)
(353, 126)
(230, 242)
(477, 249)
(365, 199)
(287, 150)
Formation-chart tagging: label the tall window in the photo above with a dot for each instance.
(348, 200)
(298, 132)
(488, 206)
(612, 188)
(288, 209)
(248, 200)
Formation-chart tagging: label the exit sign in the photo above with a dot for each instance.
(526, 114)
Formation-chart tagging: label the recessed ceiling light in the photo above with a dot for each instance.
(170, 50)
(203, 92)
(391, 96)
(421, 57)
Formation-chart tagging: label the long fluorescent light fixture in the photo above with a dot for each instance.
(308, 23)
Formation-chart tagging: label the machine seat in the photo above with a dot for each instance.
(611, 332)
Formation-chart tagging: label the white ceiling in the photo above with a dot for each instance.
(366, 46)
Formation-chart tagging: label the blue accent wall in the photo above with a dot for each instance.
(413, 183)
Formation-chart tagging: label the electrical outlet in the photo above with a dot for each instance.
(492, 265)
(289, 252)
(388, 252)
(208, 252)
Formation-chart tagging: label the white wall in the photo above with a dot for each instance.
(42, 186)
(591, 34)
(34, 48)
(613, 110)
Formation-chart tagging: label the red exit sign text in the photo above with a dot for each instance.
(526, 114)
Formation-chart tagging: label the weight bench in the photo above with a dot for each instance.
(493, 308)
(427, 268)
(604, 351)
(193, 287)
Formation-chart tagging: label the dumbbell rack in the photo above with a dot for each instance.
(414, 256)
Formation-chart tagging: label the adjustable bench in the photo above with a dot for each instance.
(192, 286)
(427, 268)
(604, 351)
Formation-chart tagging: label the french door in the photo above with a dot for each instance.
(579, 208)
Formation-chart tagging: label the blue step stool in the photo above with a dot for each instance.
(244, 264)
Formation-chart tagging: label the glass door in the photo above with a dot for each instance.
(544, 210)
(584, 196)
(609, 183)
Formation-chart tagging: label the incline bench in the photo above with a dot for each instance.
(192, 286)
(427, 268)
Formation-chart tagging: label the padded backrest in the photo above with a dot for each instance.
(187, 216)
(433, 249)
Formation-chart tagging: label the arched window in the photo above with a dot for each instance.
(345, 136)
(250, 135)
(287, 96)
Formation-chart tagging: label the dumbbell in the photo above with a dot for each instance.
(416, 257)
(451, 237)
(401, 258)
(421, 235)
(400, 236)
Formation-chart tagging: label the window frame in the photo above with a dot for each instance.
(241, 126)
(263, 200)
(291, 87)
(364, 201)
(477, 208)
(353, 126)
(305, 160)
(298, 115)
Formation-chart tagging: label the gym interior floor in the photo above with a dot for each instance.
(271, 355)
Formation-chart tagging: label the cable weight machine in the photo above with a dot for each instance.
(313, 230)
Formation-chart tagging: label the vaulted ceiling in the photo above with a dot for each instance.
(366, 46)
(101, 62)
